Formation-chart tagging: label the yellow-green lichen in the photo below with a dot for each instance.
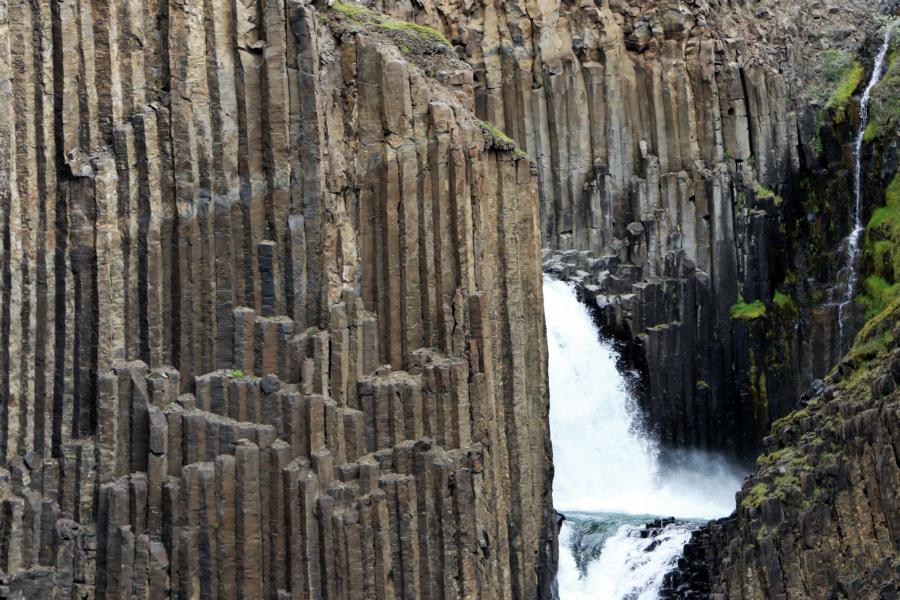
(748, 310)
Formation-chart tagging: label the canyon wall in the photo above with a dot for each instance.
(271, 311)
(682, 151)
(820, 515)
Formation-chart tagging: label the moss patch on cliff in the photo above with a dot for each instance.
(748, 310)
(840, 98)
(785, 305)
(882, 253)
(496, 139)
(754, 497)
(410, 37)
(839, 74)
(415, 29)
(762, 193)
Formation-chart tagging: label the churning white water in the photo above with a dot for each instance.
(854, 237)
(609, 480)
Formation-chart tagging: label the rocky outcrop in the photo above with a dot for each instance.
(271, 311)
(682, 146)
(819, 516)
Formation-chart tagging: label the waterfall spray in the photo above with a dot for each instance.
(609, 479)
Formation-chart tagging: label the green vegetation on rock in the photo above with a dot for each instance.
(748, 310)
(840, 98)
(755, 496)
(496, 139)
(413, 36)
(237, 373)
(882, 253)
(785, 304)
(763, 192)
(839, 74)
(884, 105)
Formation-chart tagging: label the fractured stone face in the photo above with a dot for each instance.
(271, 314)
(656, 128)
(819, 516)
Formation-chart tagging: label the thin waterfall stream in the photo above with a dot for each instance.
(610, 479)
(853, 247)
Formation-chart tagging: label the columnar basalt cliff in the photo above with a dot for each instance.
(820, 516)
(682, 150)
(270, 308)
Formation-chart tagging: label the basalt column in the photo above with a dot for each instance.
(270, 305)
(687, 167)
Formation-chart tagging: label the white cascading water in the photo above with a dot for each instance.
(609, 480)
(856, 233)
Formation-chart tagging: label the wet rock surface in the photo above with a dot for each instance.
(819, 516)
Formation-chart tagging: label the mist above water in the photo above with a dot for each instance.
(603, 461)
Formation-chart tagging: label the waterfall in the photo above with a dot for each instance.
(609, 477)
(856, 233)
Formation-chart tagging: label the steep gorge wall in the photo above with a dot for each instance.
(271, 312)
(820, 515)
(682, 163)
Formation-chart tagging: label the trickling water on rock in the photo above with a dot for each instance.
(854, 237)
(609, 478)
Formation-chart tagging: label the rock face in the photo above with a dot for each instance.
(680, 155)
(820, 515)
(271, 312)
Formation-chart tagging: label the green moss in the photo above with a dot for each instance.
(840, 98)
(785, 304)
(755, 496)
(237, 373)
(882, 253)
(818, 146)
(408, 31)
(748, 311)
(350, 10)
(838, 73)
(495, 138)
(789, 419)
(762, 192)
(416, 29)
(875, 338)
(871, 132)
